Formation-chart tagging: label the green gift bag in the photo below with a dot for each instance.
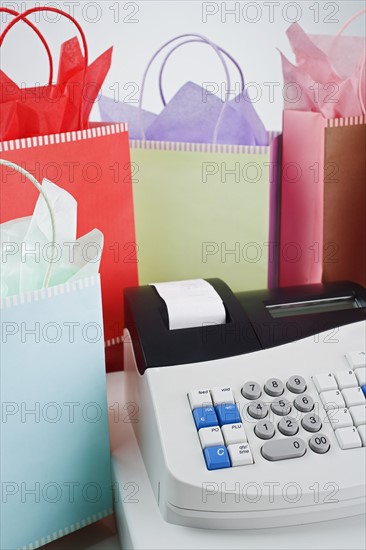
(204, 182)
(205, 211)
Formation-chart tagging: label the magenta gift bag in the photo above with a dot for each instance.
(323, 159)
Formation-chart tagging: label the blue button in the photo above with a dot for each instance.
(227, 414)
(216, 457)
(205, 417)
(363, 388)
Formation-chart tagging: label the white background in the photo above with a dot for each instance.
(251, 34)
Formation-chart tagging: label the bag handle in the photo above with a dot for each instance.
(200, 42)
(215, 48)
(37, 9)
(39, 34)
(362, 70)
(349, 21)
(363, 60)
(39, 187)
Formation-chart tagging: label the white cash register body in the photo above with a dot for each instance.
(258, 422)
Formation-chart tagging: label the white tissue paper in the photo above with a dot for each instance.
(27, 249)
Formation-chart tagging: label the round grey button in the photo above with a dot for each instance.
(288, 426)
(258, 409)
(319, 443)
(251, 390)
(311, 422)
(274, 387)
(282, 407)
(304, 403)
(264, 429)
(296, 384)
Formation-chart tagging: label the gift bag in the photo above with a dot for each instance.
(323, 227)
(344, 230)
(204, 183)
(52, 138)
(55, 459)
(323, 222)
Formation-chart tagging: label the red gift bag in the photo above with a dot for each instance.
(90, 161)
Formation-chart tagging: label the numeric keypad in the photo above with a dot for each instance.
(283, 415)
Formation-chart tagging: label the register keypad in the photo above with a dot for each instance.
(344, 398)
(220, 429)
(284, 409)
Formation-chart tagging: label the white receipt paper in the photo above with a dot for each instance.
(191, 303)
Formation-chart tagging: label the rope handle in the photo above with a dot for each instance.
(38, 186)
(202, 38)
(200, 42)
(37, 9)
(39, 34)
(348, 22)
(363, 59)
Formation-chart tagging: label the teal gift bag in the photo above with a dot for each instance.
(55, 459)
(55, 472)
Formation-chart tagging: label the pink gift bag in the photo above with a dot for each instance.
(323, 163)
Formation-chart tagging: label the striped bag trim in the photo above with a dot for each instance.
(345, 121)
(67, 137)
(46, 293)
(203, 147)
(67, 530)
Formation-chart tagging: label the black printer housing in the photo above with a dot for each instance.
(249, 326)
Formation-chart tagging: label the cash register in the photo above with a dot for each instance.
(250, 406)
